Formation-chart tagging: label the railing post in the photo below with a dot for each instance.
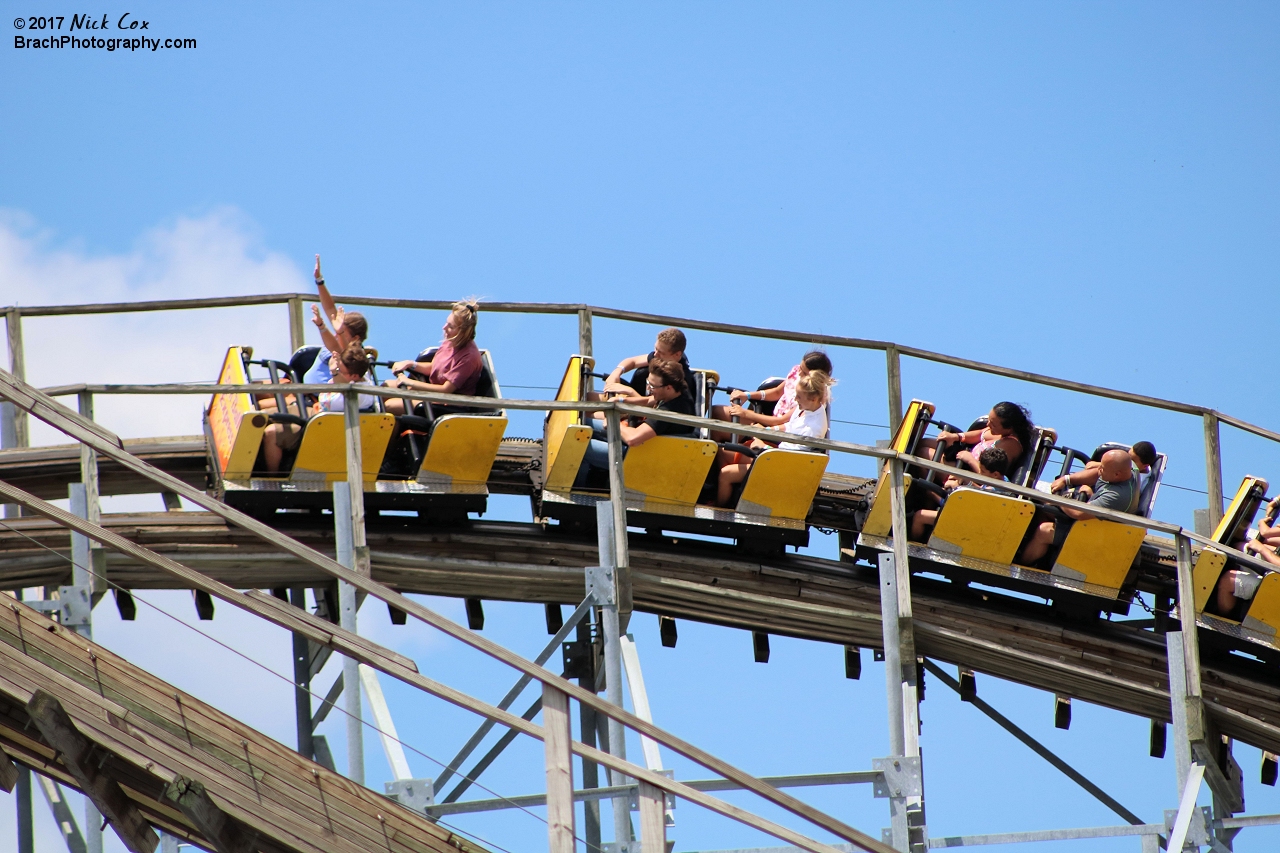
(893, 370)
(93, 507)
(612, 631)
(653, 819)
(559, 759)
(618, 500)
(355, 481)
(297, 324)
(348, 605)
(906, 808)
(15, 418)
(1213, 467)
(584, 331)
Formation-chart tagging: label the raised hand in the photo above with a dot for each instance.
(319, 277)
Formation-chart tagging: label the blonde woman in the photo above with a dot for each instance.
(808, 418)
(456, 366)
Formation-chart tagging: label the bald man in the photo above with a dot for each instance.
(1116, 489)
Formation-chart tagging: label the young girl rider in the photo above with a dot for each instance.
(809, 418)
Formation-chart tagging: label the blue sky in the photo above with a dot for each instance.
(1086, 190)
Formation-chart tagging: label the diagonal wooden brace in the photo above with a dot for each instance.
(76, 752)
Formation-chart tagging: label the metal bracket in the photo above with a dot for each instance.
(900, 776)
(413, 794)
(76, 608)
(1199, 832)
(602, 584)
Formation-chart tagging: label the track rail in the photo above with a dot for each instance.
(1109, 664)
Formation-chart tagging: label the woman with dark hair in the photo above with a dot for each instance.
(1008, 428)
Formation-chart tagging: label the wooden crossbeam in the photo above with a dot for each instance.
(193, 800)
(78, 754)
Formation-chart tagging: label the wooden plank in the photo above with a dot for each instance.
(194, 801)
(271, 788)
(559, 766)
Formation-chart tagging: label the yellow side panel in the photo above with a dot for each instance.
(982, 525)
(668, 469)
(226, 416)
(782, 483)
(1205, 574)
(323, 452)
(554, 432)
(564, 465)
(1264, 613)
(915, 411)
(244, 451)
(1251, 490)
(462, 449)
(1099, 552)
(880, 519)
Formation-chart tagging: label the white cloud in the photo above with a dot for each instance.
(218, 254)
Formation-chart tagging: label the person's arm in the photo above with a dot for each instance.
(768, 395)
(1262, 550)
(446, 387)
(1088, 476)
(326, 337)
(1266, 528)
(631, 436)
(627, 364)
(423, 367)
(326, 300)
(747, 416)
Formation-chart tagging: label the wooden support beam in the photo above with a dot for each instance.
(8, 773)
(653, 820)
(559, 758)
(77, 753)
(191, 798)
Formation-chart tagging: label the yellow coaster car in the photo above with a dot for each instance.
(447, 478)
(1256, 619)
(669, 480)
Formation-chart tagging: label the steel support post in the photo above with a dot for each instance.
(559, 763)
(77, 612)
(587, 724)
(302, 680)
(347, 607)
(297, 325)
(612, 631)
(906, 802)
(618, 501)
(1213, 467)
(893, 370)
